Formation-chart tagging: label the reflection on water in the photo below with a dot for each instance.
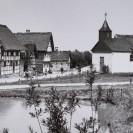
(15, 116)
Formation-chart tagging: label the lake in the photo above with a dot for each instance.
(14, 115)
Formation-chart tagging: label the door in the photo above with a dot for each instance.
(101, 63)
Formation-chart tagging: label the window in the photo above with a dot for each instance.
(11, 63)
(2, 53)
(11, 53)
(4, 63)
(131, 57)
(16, 63)
(16, 53)
(5, 53)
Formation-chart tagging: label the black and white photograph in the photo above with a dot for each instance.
(66, 66)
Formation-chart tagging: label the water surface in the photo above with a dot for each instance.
(14, 115)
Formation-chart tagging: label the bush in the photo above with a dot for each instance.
(105, 69)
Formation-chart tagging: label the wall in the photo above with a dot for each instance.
(107, 60)
(121, 63)
(11, 61)
(57, 65)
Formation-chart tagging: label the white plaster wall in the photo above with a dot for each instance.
(49, 49)
(46, 67)
(107, 60)
(47, 58)
(57, 65)
(121, 63)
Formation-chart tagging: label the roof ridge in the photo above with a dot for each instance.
(4, 26)
(33, 33)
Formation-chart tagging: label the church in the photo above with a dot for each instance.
(115, 53)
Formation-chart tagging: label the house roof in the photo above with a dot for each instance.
(114, 45)
(105, 26)
(41, 39)
(59, 56)
(8, 39)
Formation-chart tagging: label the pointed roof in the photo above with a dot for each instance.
(113, 45)
(105, 26)
(101, 47)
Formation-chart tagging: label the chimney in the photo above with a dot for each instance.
(56, 49)
(27, 31)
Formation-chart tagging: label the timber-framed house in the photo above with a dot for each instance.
(10, 49)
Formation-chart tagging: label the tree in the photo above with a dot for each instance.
(80, 58)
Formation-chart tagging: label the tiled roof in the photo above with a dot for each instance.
(8, 39)
(41, 39)
(59, 56)
(114, 45)
(101, 47)
(105, 26)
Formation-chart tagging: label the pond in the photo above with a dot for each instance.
(14, 115)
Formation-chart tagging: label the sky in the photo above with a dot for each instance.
(73, 23)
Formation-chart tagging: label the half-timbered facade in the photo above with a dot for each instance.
(44, 45)
(10, 49)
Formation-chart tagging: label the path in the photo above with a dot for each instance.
(5, 87)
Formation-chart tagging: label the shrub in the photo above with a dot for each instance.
(105, 69)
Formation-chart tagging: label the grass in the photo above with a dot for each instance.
(79, 79)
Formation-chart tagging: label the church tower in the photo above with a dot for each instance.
(105, 32)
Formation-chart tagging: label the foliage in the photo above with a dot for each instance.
(56, 105)
(72, 103)
(90, 77)
(33, 99)
(56, 122)
(87, 126)
(80, 58)
(5, 130)
(106, 69)
(31, 129)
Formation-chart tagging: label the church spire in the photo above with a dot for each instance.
(105, 15)
(105, 32)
